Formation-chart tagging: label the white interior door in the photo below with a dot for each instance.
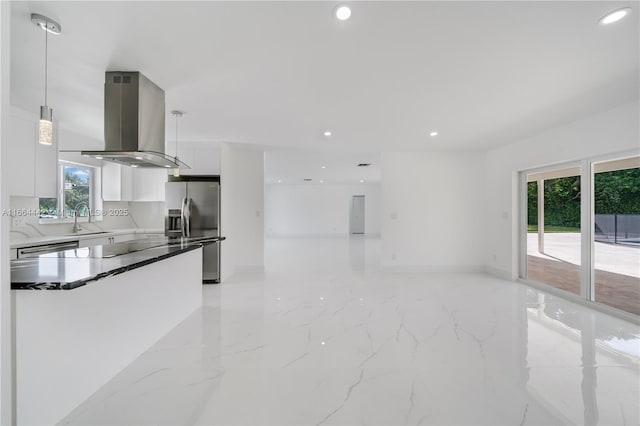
(357, 214)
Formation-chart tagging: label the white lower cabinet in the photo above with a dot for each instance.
(141, 236)
(89, 242)
(124, 237)
(107, 240)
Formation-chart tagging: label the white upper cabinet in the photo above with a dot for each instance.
(116, 182)
(123, 183)
(22, 152)
(31, 166)
(202, 157)
(185, 154)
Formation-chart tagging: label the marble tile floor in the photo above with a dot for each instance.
(323, 337)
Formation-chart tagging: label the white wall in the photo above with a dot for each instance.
(242, 205)
(306, 210)
(432, 211)
(612, 131)
(7, 386)
(70, 140)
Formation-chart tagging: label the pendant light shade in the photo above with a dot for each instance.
(45, 125)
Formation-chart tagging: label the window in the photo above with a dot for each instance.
(76, 189)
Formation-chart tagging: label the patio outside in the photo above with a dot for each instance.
(617, 268)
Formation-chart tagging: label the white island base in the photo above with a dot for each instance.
(71, 342)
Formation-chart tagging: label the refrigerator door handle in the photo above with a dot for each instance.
(183, 218)
(187, 217)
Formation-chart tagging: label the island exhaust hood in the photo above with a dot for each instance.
(134, 113)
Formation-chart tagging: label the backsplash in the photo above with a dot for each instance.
(117, 215)
(146, 214)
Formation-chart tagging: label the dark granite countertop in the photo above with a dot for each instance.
(74, 268)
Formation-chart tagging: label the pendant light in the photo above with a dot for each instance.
(45, 125)
(177, 114)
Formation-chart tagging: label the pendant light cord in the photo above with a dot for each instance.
(177, 136)
(46, 50)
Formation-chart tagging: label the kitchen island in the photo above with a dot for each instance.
(101, 307)
(69, 269)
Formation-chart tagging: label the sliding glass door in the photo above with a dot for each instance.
(616, 248)
(553, 228)
(582, 230)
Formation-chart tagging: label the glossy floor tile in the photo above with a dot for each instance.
(324, 337)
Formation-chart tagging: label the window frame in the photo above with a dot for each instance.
(95, 195)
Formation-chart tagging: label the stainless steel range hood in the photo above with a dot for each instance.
(134, 113)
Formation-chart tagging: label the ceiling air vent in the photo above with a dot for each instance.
(364, 164)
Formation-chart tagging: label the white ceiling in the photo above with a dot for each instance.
(278, 74)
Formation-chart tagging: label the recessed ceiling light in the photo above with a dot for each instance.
(279, 180)
(98, 157)
(327, 133)
(342, 12)
(167, 166)
(321, 181)
(134, 165)
(615, 16)
(433, 134)
(138, 158)
(361, 180)
(323, 167)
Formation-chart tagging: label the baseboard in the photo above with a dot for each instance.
(500, 273)
(432, 268)
(326, 235)
(249, 268)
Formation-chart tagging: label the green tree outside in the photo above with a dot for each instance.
(77, 189)
(616, 192)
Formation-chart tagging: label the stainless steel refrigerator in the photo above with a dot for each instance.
(193, 210)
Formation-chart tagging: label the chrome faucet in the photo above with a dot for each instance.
(76, 226)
